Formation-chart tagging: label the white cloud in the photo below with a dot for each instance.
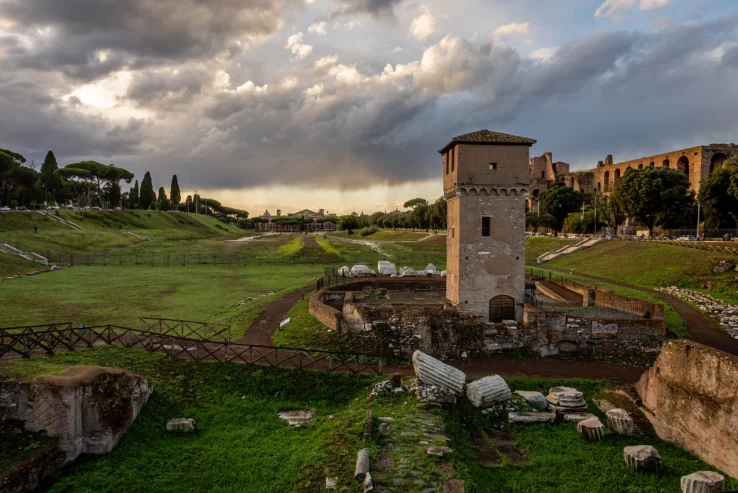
(222, 80)
(289, 82)
(424, 25)
(542, 53)
(397, 50)
(348, 25)
(318, 28)
(325, 62)
(512, 28)
(298, 48)
(611, 9)
(614, 9)
(653, 4)
(250, 87)
(347, 74)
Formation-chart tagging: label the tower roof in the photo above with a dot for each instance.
(487, 137)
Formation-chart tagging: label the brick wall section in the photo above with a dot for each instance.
(607, 299)
(439, 329)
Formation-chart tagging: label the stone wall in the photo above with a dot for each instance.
(594, 296)
(690, 395)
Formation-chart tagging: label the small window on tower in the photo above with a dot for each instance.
(486, 226)
(453, 229)
(492, 165)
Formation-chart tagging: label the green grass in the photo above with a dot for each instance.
(535, 246)
(304, 331)
(653, 265)
(561, 460)
(111, 295)
(291, 248)
(241, 445)
(327, 246)
(12, 264)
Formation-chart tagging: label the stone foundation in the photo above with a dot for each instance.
(395, 317)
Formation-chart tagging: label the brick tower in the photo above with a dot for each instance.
(485, 182)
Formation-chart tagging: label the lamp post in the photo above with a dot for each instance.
(197, 204)
(698, 221)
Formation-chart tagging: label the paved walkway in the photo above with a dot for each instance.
(701, 327)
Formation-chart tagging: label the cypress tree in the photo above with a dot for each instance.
(147, 197)
(51, 182)
(133, 198)
(162, 200)
(174, 196)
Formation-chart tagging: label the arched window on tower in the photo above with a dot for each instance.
(501, 308)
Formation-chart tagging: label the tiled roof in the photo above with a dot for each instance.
(488, 137)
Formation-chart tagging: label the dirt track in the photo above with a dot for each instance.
(266, 324)
(701, 327)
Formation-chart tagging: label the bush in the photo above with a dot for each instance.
(368, 231)
(220, 227)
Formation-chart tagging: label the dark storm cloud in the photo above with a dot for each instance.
(135, 32)
(376, 8)
(351, 126)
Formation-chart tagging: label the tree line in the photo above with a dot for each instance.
(91, 184)
(652, 197)
(420, 215)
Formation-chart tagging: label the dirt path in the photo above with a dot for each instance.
(308, 242)
(701, 327)
(564, 293)
(266, 324)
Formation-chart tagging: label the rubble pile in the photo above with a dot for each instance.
(725, 313)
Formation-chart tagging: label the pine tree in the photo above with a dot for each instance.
(133, 198)
(51, 182)
(162, 200)
(147, 197)
(174, 195)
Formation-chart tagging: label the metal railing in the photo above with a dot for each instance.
(610, 310)
(203, 331)
(30, 341)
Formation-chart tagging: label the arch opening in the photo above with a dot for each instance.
(501, 308)
(607, 181)
(717, 161)
(683, 165)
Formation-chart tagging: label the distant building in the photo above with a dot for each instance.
(318, 222)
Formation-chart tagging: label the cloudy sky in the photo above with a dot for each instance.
(342, 104)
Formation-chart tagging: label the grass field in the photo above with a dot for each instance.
(535, 246)
(241, 445)
(110, 295)
(653, 265)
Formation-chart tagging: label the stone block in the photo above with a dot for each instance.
(298, 418)
(181, 425)
(438, 451)
(642, 458)
(531, 417)
(577, 417)
(89, 408)
(620, 422)
(564, 400)
(488, 391)
(591, 428)
(362, 464)
(431, 371)
(536, 400)
(703, 482)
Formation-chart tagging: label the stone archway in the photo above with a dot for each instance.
(666, 163)
(617, 175)
(640, 166)
(501, 308)
(717, 161)
(683, 165)
(607, 181)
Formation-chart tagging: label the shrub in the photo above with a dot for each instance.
(368, 231)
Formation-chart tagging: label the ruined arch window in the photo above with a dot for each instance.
(652, 165)
(607, 181)
(666, 163)
(717, 161)
(543, 174)
(493, 166)
(599, 186)
(571, 182)
(617, 174)
(501, 308)
(453, 159)
(640, 166)
(683, 165)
